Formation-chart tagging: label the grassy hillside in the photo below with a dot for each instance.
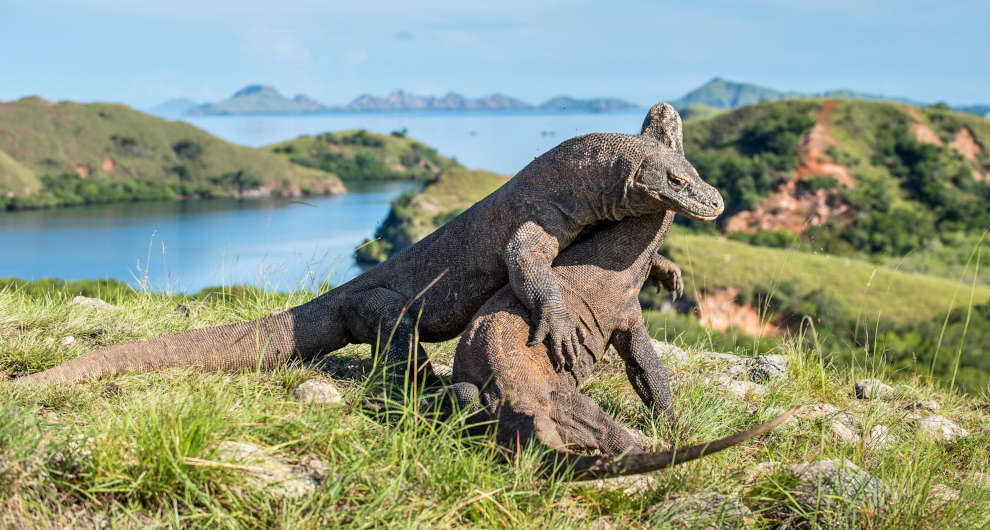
(416, 214)
(103, 152)
(364, 156)
(155, 449)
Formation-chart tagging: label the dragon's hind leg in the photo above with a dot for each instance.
(583, 425)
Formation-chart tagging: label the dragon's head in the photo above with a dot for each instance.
(667, 177)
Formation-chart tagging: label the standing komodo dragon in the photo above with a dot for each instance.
(509, 237)
(528, 399)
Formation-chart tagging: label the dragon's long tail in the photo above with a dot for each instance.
(576, 467)
(299, 333)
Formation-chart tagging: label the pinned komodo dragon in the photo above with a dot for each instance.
(528, 399)
(509, 237)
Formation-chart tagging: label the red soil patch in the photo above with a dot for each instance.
(720, 311)
(791, 206)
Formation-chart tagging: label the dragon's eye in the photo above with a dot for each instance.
(676, 181)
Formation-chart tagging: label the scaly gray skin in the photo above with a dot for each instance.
(528, 399)
(510, 237)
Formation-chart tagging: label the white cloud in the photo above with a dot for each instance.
(277, 47)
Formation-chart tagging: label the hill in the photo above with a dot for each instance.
(99, 152)
(722, 94)
(364, 156)
(258, 99)
(402, 101)
(589, 105)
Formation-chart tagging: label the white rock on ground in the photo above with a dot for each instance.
(630, 484)
(879, 438)
(761, 369)
(978, 480)
(92, 303)
(943, 493)
(826, 485)
(68, 340)
(872, 389)
(668, 353)
(273, 475)
(701, 510)
(844, 428)
(841, 424)
(738, 389)
(817, 412)
(443, 370)
(940, 428)
(315, 391)
(925, 404)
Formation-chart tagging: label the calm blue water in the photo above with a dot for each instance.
(205, 242)
(271, 243)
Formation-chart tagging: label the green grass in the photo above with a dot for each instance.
(134, 455)
(80, 153)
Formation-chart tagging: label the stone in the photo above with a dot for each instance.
(879, 438)
(943, 494)
(829, 485)
(629, 484)
(925, 404)
(817, 412)
(871, 389)
(267, 472)
(978, 480)
(49, 341)
(843, 431)
(937, 427)
(182, 310)
(443, 370)
(668, 353)
(738, 389)
(767, 368)
(708, 510)
(68, 340)
(983, 431)
(316, 392)
(763, 468)
(92, 303)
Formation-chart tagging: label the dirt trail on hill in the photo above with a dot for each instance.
(721, 310)
(963, 141)
(793, 207)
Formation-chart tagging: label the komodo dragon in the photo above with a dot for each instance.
(509, 237)
(528, 399)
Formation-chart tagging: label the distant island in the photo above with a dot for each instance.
(263, 99)
(715, 96)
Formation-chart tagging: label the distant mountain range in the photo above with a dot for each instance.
(712, 97)
(263, 99)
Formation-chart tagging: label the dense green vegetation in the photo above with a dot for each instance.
(59, 154)
(364, 156)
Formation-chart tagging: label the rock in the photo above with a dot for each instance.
(879, 438)
(443, 370)
(940, 428)
(701, 510)
(68, 340)
(983, 431)
(763, 468)
(871, 389)
(49, 341)
(182, 310)
(668, 353)
(630, 484)
(943, 494)
(830, 485)
(978, 480)
(315, 391)
(843, 431)
(767, 368)
(267, 472)
(818, 412)
(925, 404)
(738, 389)
(92, 303)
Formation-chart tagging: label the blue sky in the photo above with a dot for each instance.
(144, 52)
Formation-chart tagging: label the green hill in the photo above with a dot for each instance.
(258, 99)
(364, 156)
(69, 153)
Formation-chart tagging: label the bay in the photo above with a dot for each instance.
(271, 243)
